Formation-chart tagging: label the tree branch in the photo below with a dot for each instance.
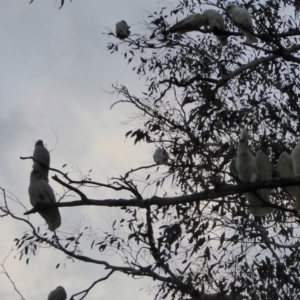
(70, 187)
(9, 278)
(85, 292)
(210, 194)
(254, 64)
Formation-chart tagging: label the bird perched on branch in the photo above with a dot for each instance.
(41, 159)
(285, 169)
(251, 169)
(41, 193)
(58, 294)
(295, 155)
(190, 23)
(242, 19)
(122, 30)
(161, 156)
(216, 24)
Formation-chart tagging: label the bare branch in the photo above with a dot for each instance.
(85, 292)
(70, 187)
(8, 276)
(253, 64)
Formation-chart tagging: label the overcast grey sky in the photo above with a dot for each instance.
(54, 69)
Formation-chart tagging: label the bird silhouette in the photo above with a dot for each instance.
(285, 169)
(41, 194)
(251, 169)
(122, 30)
(41, 159)
(190, 23)
(242, 19)
(216, 24)
(161, 156)
(58, 294)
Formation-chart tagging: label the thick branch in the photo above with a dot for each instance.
(254, 64)
(210, 194)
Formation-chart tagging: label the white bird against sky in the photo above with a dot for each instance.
(40, 193)
(251, 169)
(190, 23)
(242, 19)
(216, 24)
(161, 156)
(122, 30)
(58, 294)
(295, 155)
(41, 159)
(285, 169)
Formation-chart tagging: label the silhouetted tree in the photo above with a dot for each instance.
(204, 243)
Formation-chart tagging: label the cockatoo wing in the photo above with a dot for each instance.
(190, 23)
(245, 161)
(264, 171)
(122, 30)
(295, 155)
(285, 165)
(232, 168)
(41, 159)
(216, 24)
(58, 294)
(161, 156)
(242, 19)
(285, 169)
(248, 170)
(263, 166)
(40, 192)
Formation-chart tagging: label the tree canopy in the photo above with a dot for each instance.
(194, 234)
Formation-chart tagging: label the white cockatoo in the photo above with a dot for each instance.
(245, 161)
(250, 169)
(122, 30)
(232, 168)
(58, 294)
(161, 156)
(295, 155)
(40, 192)
(285, 169)
(190, 23)
(242, 19)
(216, 24)
(41, 159)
